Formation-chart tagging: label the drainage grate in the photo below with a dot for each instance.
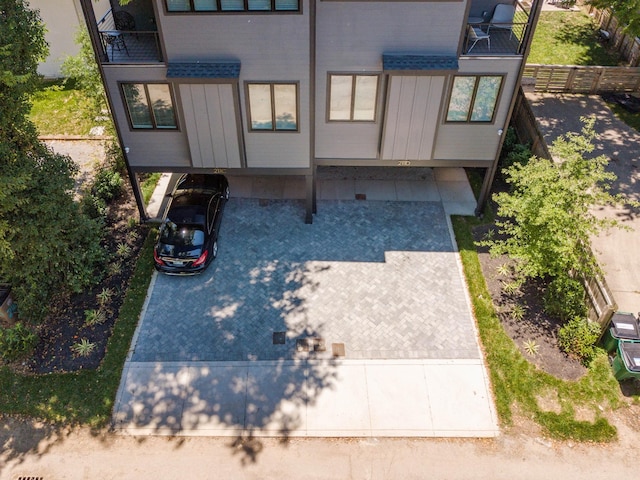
(338, 349)
(279, 338)
(361, 196)
(30, 478)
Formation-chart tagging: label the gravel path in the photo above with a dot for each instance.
(85, 153)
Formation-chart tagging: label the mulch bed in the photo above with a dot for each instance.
(536, 325)
(65, 325)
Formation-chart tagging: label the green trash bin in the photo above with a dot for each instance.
(623, 326)
(627, 363)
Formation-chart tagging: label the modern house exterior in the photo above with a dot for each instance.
(281, 87)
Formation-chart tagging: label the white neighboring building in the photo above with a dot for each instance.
(62, 19)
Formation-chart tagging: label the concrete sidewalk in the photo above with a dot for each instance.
(617, 250)
(364, 398)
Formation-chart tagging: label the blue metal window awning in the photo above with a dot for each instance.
(415, 64)
(204, 70)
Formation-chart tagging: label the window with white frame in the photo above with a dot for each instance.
(474, 98)
(149, 105)
(273, 106)
(352, 97)
(209, 6)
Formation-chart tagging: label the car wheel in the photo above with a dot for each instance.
(226, 193)
(214, 249)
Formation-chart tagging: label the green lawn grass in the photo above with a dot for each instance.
(85, 397)
(569, 38)
(61, 109)
(517, 384)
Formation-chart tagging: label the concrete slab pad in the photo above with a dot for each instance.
(240, 187)
(216, 397)
(376, 189)
(454, 174)
(343, 408)
(417, 191)
(398, 397)
(152, 399)
(294, 188)
(268, 187)
(336, 189)
(458, 391)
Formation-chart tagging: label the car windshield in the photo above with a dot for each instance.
(181, 235)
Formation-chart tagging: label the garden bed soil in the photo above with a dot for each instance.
(535, 327)
(65, 325)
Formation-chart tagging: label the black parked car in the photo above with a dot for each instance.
(188, 237)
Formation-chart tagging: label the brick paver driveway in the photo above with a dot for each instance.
(378, 277)
(356, 325)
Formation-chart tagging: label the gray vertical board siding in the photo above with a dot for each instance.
(351, 38)
(412, 117)
(271, 47)
(210, 122)
(163, 149)
(478, 141)
(353, 35)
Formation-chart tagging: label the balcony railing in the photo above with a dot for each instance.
(128, 46)
(503, 39)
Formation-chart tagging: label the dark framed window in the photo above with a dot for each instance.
(352, 97)
(149, 105)
(474, 98)
(272, 106)
(232, 6)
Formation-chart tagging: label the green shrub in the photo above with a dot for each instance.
(578, 337)
(513, 151)
(107, 185)
(16, 341)
(93, 206)
(565, 298)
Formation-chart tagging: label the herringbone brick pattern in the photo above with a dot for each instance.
(380, 277)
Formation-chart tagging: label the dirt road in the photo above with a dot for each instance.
(36, 451)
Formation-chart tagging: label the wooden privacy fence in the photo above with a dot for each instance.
(628, 46)
(524, 122)
(581, 79)
(600, 301)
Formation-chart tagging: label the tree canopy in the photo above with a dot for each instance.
(547, 217)
(627, 11)
(46, 244)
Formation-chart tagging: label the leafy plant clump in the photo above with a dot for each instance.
(513, 151)
(564, 298)
(107, 185)
(578, 338)
(547, 219)
(83, 348)
(16, 342)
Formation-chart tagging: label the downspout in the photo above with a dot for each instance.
(490, 174)
(100, 57)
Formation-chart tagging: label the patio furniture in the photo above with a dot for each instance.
(475, 35)
(124, 21)
(502, 18)
(115, 40)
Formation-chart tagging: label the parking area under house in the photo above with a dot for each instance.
(358, 325)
